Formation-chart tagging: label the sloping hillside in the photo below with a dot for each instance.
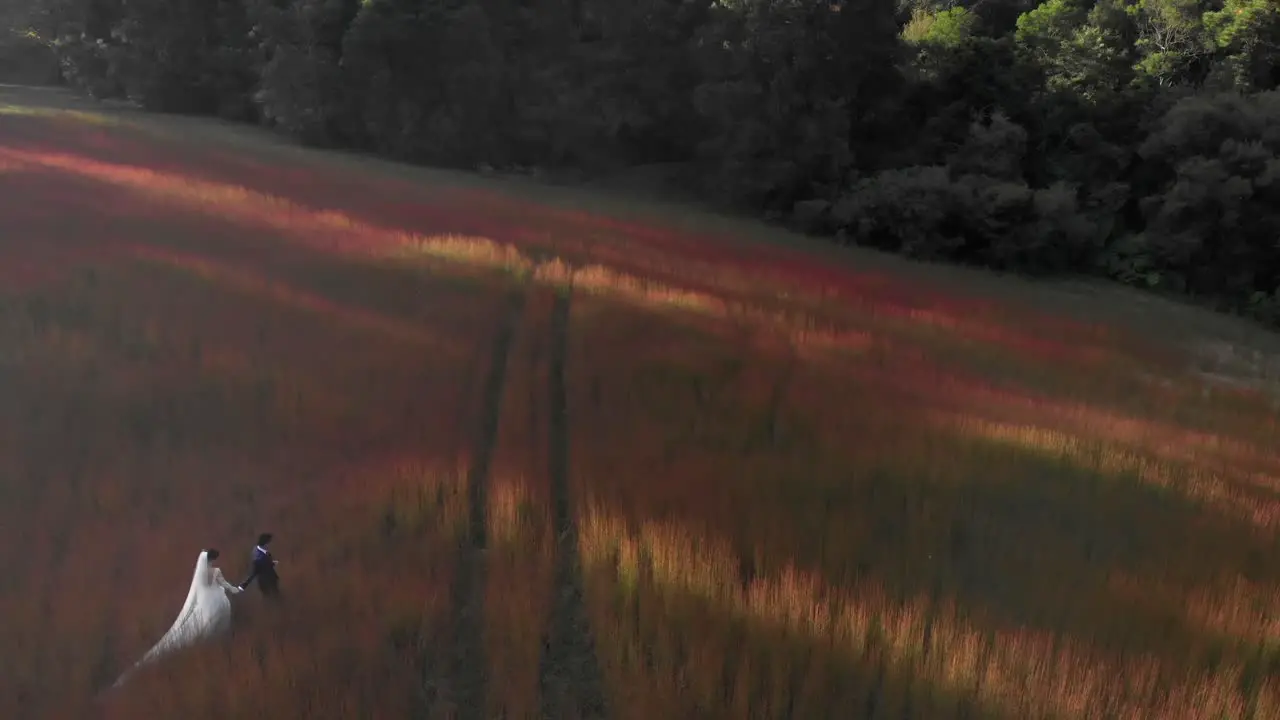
(530, 452)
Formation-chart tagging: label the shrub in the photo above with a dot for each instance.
(1212, 224)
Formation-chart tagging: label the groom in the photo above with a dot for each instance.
(264, 569)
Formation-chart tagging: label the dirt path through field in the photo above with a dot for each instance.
(468, 686)
(570, 674)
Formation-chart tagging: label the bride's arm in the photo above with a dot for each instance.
(222, 582)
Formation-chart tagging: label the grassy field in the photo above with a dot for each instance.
(533, 453)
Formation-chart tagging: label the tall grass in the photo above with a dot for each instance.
(799, 491)
(949, 547)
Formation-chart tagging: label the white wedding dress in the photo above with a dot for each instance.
(207, 612)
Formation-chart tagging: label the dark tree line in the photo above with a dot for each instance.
(1136, 139)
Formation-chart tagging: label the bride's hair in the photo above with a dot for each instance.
(213, 554)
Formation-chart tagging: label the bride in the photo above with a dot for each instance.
(207, 612)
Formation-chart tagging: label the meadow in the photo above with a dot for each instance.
(533, 453)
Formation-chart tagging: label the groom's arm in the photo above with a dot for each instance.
(253, 573)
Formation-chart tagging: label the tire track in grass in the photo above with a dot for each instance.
(467, 677)
(571, 684)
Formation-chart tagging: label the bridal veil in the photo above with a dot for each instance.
(206, 612)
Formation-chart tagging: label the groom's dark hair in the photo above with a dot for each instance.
(264, 539)
(213, 554)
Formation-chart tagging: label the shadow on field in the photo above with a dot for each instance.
(1017, 541)
(852, 485)
(405, 205)
(1035, 542)
(1009, 610)
(684, 656)
(257, 307)
(180, 377)
(578, 228)
(174, 383)
(56, 225)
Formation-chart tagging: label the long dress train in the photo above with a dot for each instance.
(206, 613)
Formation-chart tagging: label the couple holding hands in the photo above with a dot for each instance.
(207, 610)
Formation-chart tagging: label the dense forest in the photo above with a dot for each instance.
(1133, 139)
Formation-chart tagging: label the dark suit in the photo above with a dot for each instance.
(264, 571)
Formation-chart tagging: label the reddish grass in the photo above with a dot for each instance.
(1005, 560)
(796, 489)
